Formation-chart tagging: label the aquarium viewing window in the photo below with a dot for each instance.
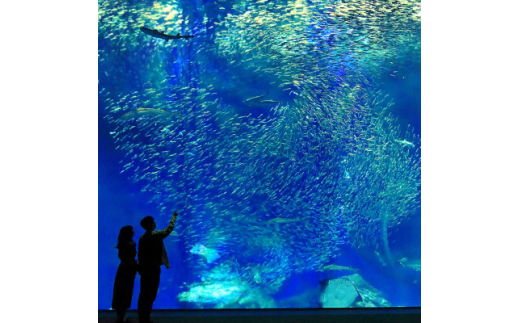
(287, 136)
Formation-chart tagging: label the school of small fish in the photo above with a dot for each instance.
(266, 130)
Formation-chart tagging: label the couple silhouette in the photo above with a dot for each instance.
(151, 255)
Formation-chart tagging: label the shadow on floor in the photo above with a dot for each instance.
(380, 315)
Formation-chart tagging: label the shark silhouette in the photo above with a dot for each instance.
(157, 34)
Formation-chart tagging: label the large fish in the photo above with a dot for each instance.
(255, 98)
(257, 101)
(405, 143)
(157, 34)
(337, 267)
(208, 253)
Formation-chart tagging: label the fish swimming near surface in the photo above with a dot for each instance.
(208, 253)
(157, 34)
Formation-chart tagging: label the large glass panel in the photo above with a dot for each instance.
(285, 133)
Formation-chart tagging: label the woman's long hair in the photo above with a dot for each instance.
(125, 235)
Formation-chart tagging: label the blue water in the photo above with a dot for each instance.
(288, 193)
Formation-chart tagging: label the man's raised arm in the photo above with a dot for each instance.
(166, 232)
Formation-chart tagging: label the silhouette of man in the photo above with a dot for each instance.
(151, 255)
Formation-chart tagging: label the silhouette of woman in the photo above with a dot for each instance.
(125, 276)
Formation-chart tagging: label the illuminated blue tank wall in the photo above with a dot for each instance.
(286, 133)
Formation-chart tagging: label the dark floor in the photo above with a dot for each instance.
(357, 315)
